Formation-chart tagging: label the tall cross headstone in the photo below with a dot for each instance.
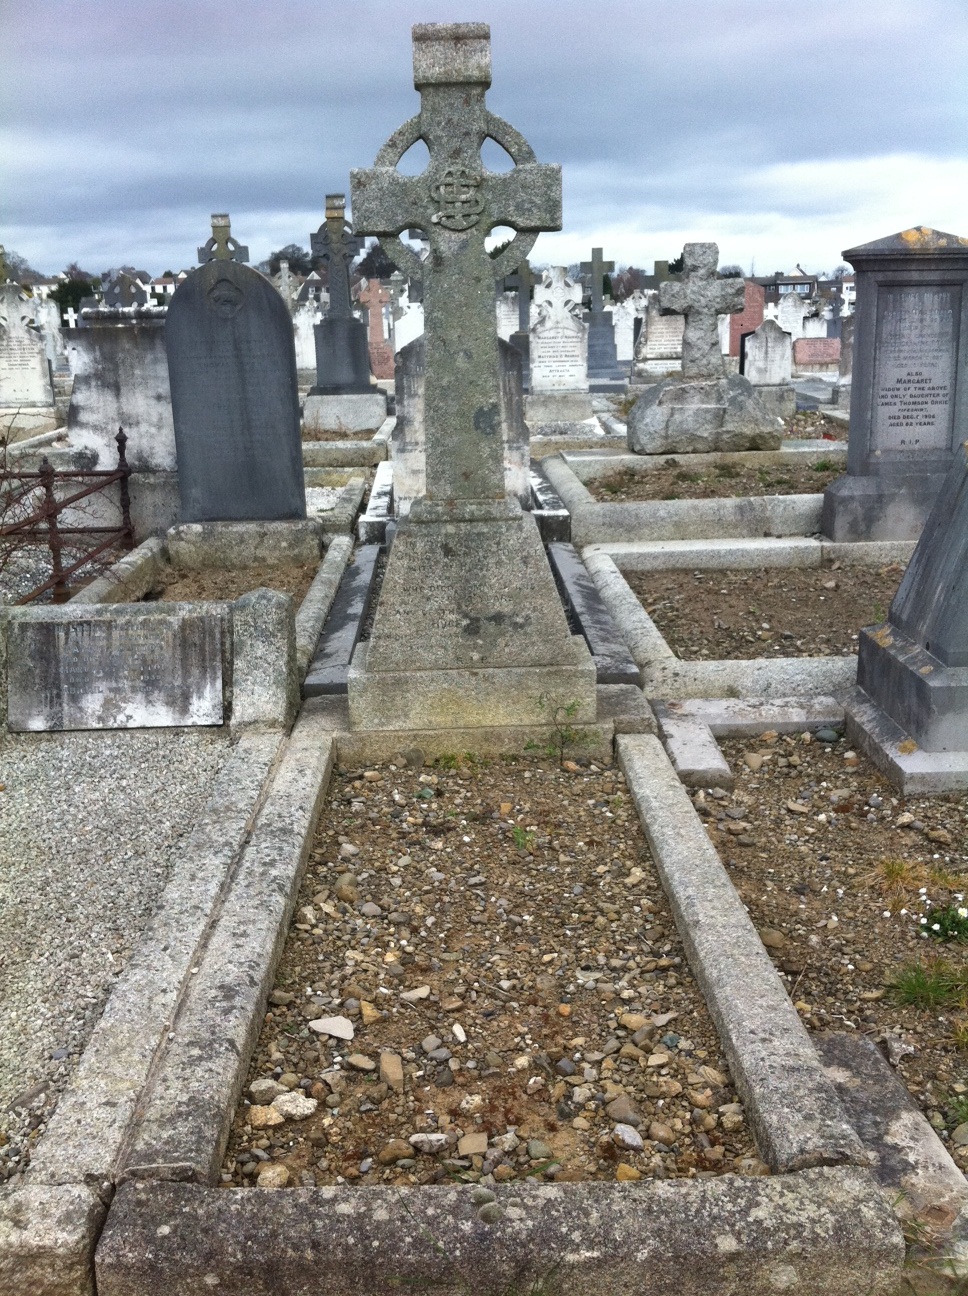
(597, 269)
(485, 643)
(604, 370)
(234, 395)
(376, 299)
(522, 281)
(336, 244)
(701, 298)
(457, 202)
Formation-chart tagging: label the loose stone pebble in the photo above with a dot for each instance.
(624, 1112)
(627, 1137)
(263, 1091)
(273, 1175)
(395, 1150)
(347, 889)
(415, 995)
(662, 1133)
(472, 1145)
(391, 1070)
(295, 1105)
(337, 1027)
(626, 1173)
(260, 1117)
(360, 1062)
(430, 1144)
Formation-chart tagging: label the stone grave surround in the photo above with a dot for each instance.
(558, 350)
(343, 397)
(234, 394)
(909, 388)
(706, 409)
(914, 668)
(469, 631)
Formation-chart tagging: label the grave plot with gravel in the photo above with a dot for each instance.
(781, 611)
(89, 827)
(483, 983)
(852, 889)
(205, 585)
(679, 480)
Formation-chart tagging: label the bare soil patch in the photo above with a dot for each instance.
(762, 612)
(837, 872)
(496, 941)
(813, 424)
(212, 584)
(719, 481)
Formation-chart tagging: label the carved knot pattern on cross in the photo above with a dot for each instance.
(456, 203)
(222, 246)
(702, 298)
(338, 246)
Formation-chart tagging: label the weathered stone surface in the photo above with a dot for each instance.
(24, 372)
(702, 298)
(127, 667)
(351, 412)
(768, 355)
(232, 369)
(47, 1239)
(265, 690)
(196, 545)
(826, 1232)
(689, 417)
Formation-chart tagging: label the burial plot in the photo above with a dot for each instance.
(343, 397)
(604, 372)
(559, 353)
(476, 649)
(909, 403)
(707, 409)
(235, 405)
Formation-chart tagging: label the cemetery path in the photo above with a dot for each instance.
(837, 872)
(766, 612)
(501, 974)
(89, 827)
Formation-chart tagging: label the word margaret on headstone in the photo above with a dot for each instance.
(234, 396)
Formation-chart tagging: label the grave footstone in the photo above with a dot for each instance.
(909, 393)
(559, 354)
(469, 631)
(26, 391)
(235, 405)
(768, 364)
(343, 398)
(706, 409)
(604, 372)
(912, 671)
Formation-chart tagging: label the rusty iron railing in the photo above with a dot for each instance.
(43, 521)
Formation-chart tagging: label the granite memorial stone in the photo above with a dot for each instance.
(235, 404)
(26, 392)
(768, 364)
(706, 409)
(485, 642)
(909, 389)
(559, 353)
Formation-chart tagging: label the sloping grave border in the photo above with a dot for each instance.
(593, 522)
(666, 676)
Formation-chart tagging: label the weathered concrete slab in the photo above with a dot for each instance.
(795, 1114)
(669, 555)
(315, 606)
(47, 1239)
(229, 545)
(340, 634)
(822, 1233)
(746, 717)
(613, 661)
(693, 750)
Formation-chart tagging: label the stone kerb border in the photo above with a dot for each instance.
(668, 677)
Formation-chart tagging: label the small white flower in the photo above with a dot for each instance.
(962, 912)
(923, 921)
(935, 926)
(886, 913)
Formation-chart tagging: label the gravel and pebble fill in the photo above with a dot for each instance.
(679, 480)
(483, 983)
(208, 584)
(765, 612)
(837, 872)
(89, 826)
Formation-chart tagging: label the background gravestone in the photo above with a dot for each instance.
(559, 354)
(235, 403)
(909, 387)
(604, 372)
(768, 364)
(659, 349)
(26, 393)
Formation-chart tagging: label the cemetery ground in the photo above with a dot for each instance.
(207, 584)
(752, 613)
(677, 479)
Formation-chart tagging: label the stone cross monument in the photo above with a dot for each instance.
(222, 246)
(521, 281)
(597, 269)
(469, 632)
(702, 298)
(337, 245)
(604, 370)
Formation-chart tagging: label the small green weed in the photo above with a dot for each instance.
(930, 985)
(823, 465)
(947, 923)
(726, 470)
(523, 839)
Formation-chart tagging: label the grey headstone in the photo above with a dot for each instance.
(121, 380)
(768, 358)
(909, 385)
(24, 371)
(342, 353)
(126, 668)
(235, 405)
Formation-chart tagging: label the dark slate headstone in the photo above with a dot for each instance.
(130, 667)
(909, 389)
(234, 397)
(915, 668)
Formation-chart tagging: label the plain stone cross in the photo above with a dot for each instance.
(336, 243)
(702, 298)
(597, 269)
(522, 281)
(222, 246)
(456, 203)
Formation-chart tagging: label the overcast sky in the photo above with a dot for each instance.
(783, 130)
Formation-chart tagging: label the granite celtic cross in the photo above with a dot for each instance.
(337, 245)
(702, 298)
(456, 202)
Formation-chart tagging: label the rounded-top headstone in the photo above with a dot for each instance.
(234, 396)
